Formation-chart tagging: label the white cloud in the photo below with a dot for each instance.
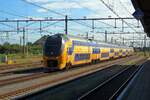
(61, 5)
(95, 7)
(41, 10)
(95, 4)
(38, 1)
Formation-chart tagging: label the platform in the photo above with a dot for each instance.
(139, 86)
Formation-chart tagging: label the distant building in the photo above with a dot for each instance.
(41, 41)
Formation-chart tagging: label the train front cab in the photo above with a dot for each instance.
(55, 52)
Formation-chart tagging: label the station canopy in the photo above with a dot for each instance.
(142, 13)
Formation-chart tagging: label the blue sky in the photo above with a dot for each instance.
(19, 9)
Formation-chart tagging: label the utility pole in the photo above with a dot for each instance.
(41, 35)
(105, 36)
(17, 27)
(133, 39)
(123, 41)
(27, 47)
(66, 24)
(20, 44)
(93, 37)
(112, 40)
(115, 24)
(144, 45)
(122, 25)
(23, 38)
(115, 41)
(87, 35)
(144, 40)
(93, 27)
(41, 28)
(7, 35)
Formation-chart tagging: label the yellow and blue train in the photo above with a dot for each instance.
(63, 51)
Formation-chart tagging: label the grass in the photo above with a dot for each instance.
(20, 59)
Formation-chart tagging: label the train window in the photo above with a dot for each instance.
(53, 46)
(116, 53)
(85, 43)
(103, 55)
(124, 53)
(79, 57)
(70, 50)
(96, 51)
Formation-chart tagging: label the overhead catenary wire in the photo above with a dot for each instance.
(21, 16)
(92, 11)
(81, 24)
(55, 26)
(117, 15)
(96, 12)
(13, 14)
(7, 25)
(125, 7)
(33, 23)
(57, 13)
(127, 11)
(130, 25)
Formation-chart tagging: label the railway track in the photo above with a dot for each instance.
(72, 90)
(6, 68)
(21, 78)
(58, 80)
(110, 89)
(22, 71)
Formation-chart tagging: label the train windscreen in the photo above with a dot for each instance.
(53, 46)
